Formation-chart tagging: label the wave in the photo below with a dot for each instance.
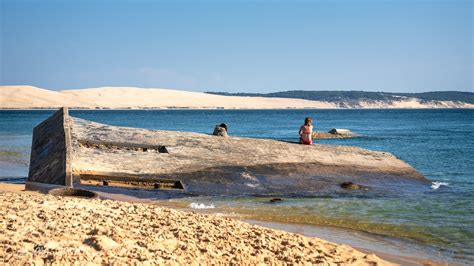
(435, 185)
(195, 205)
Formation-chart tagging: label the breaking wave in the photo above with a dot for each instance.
(436, 184)
(195, 205)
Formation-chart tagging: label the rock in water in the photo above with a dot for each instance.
(341, 131)
(350, 185)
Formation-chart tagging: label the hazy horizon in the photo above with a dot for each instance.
(266, 92)
(239, 46)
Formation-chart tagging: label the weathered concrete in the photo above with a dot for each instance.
(201, 164)
(50, 160)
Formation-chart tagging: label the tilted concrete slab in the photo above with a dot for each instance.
(51, 150)
(201, 164)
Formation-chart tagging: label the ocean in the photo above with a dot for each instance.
(439, 143)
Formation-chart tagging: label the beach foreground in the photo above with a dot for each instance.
(41, 229)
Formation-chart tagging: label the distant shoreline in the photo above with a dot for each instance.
(211, 109)
(131, 98)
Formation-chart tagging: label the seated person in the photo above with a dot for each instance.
(306, 132)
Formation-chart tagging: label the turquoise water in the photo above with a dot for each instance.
(438, 143)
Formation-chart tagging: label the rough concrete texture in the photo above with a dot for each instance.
(211, 165)
(51, 150)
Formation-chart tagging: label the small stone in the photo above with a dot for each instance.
(340, 131)
(101, 243)
(350, 185)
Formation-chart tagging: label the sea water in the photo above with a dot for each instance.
(438, 143)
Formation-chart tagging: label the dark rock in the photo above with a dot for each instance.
(163, 149)
(73, 192)
(350, 185)
(39, 248)
(275, 200)
(92, 241)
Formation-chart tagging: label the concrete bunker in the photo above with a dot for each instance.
(51, 161)
(72, 152)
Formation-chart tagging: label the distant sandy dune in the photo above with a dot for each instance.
(24, 97)
(29, 97)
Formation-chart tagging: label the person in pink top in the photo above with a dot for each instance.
(306, 131)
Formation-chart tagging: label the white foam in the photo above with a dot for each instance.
(436, 184)
(195, 205)
(248, 176)
(251, 185)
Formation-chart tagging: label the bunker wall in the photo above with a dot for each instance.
(51, 150)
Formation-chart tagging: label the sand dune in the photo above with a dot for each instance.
(23, 97)
(114, 97)
(26, 97)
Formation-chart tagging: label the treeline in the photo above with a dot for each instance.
(353, 96)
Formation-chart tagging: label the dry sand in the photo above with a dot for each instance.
(37, 228)
(27, 97)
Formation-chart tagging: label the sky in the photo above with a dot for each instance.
(239, 46)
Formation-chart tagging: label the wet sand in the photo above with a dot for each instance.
(392, 250)
(38, 228)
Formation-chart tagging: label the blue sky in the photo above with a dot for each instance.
(239, 46)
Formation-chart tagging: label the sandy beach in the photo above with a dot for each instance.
(43, 229)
